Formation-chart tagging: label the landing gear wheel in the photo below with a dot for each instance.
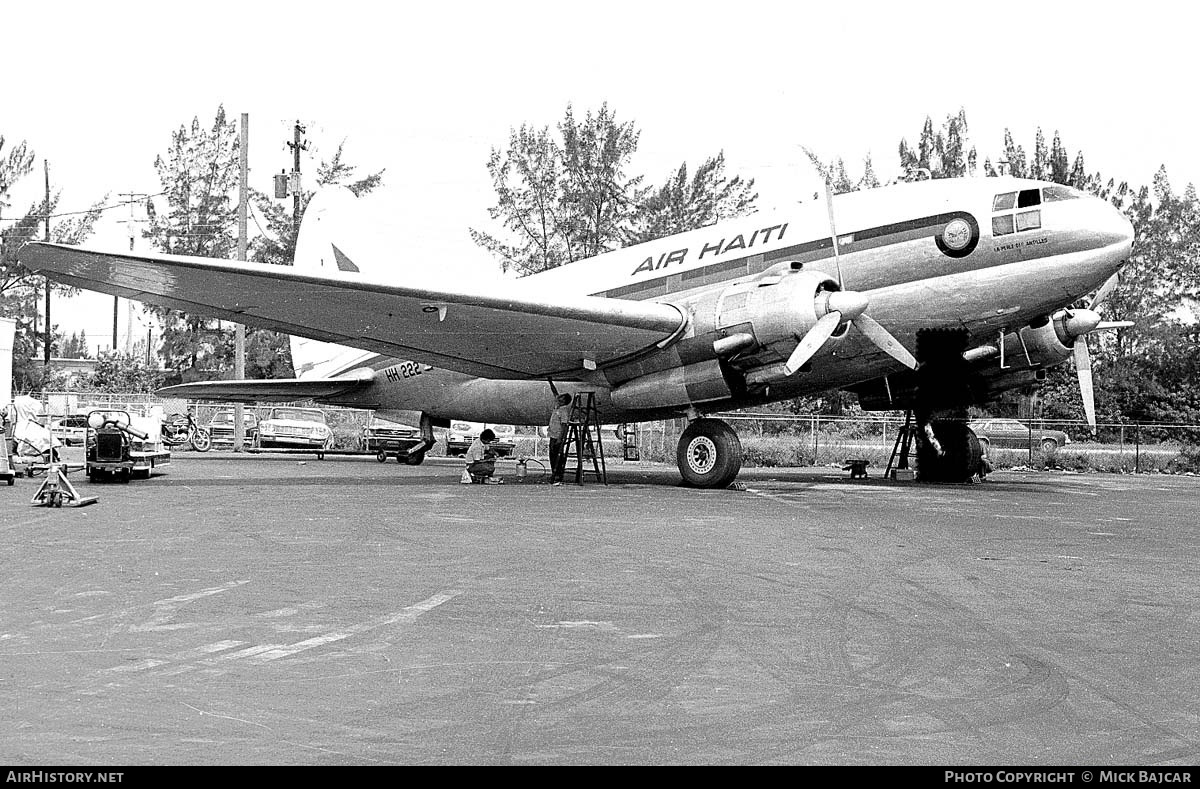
(413, 459)
(960, 456)
(202, 441)
(381, 456)
(709, 454)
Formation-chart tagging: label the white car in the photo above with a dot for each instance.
(71, 430)
(461, 434)
(287, 427)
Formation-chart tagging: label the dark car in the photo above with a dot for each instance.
(221, 428)
(386, 439)
(1010, 433)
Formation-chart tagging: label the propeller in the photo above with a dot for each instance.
(1078, 324)
(838, 307)
(843, 306)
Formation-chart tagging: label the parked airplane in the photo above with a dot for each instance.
(976, 278)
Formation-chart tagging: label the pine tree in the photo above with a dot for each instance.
(199, 177)
(688, 203)
(567, 194)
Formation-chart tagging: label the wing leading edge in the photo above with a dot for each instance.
(265, 390)
(504, 333)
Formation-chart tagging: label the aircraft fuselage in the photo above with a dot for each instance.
(989, 256)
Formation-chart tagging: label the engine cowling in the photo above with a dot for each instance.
(758, 322)
(776, 308)
(1049, 343)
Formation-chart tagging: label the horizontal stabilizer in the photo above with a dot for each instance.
(256, 390)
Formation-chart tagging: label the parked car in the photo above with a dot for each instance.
(71, 430)
(1011, 433)
(461, 434)
(386, 439)
(220, 428)
(288, 427)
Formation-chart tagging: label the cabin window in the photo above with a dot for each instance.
(1004, 202)
(1002, 225)
(1029, 220)
(1029, 197)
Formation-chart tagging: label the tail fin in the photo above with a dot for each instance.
(327, 220)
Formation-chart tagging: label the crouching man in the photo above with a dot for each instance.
(481, 460)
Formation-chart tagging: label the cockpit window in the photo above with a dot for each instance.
(1004, 202)
(1052, 194)
(1028, 198)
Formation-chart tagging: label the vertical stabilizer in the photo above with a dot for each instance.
(325, 233)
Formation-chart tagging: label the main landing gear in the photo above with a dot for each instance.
(709, 454)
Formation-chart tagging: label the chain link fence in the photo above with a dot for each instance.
(778, 439)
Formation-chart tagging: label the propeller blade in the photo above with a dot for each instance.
(812, 341)
(1083, 368)
(1105, 289)
(1108, 325)
(886, 342)
(837, 259)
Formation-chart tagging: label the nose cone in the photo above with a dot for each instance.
(1112, 227)
(848, 302)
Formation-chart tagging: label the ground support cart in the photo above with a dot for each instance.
(118, 450)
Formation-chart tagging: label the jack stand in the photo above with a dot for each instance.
(56, 487)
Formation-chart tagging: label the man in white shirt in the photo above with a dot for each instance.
(481, 460)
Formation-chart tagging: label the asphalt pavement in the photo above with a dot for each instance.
(283, 610)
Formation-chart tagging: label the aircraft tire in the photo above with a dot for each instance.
(960, 458)
(414, 459)
(709, 454)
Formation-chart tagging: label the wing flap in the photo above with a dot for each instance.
(266, 390)
(507, 332)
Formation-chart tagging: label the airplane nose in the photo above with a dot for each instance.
(1116, 228)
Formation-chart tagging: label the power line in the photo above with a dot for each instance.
(88, 211)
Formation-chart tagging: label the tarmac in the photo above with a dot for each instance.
(275, 610)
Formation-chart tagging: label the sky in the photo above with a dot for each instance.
(97, 89)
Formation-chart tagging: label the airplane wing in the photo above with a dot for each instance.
(264, 390)
(504, 332)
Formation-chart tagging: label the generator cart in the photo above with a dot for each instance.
(118, 450)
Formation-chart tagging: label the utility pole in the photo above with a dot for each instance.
(132, 197)
(297, 146)
(46, 350)
(239, 331)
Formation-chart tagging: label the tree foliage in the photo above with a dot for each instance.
(21, 292)
(567, 194)
(118, 372)
(684, 203)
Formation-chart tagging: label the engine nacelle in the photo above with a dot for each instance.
(1046, 345)
(733, 330)
(675, 387)
(774, 307)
